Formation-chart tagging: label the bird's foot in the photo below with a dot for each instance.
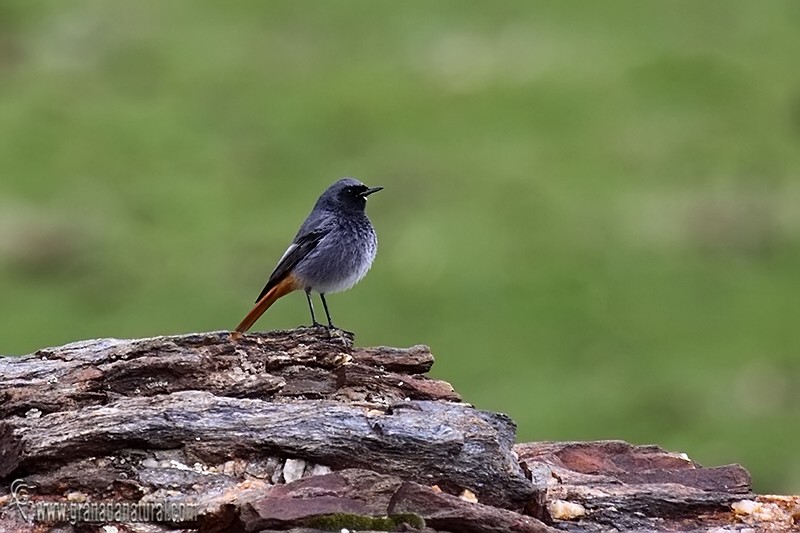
(340, 331)
(345, 337)
(333, 331)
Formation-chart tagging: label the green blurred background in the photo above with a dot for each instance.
(592, 210)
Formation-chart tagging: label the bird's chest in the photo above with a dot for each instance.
(342, 259)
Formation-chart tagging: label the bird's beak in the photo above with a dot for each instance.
(370, 191)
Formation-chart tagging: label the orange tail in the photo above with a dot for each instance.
(284, 287)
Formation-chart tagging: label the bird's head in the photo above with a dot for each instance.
(347, 194)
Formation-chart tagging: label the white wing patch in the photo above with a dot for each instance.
(287, 252)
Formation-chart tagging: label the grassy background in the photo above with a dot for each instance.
(591, 209)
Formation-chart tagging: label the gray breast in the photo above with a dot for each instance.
(342, 258)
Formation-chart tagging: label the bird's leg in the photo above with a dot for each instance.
(314, 323)
(327, 314)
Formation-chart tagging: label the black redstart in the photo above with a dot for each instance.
(331, 252)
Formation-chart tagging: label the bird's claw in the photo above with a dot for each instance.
(333, 328)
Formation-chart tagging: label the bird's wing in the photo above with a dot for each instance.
(303, 244)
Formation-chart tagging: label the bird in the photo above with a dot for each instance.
(332, 251)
